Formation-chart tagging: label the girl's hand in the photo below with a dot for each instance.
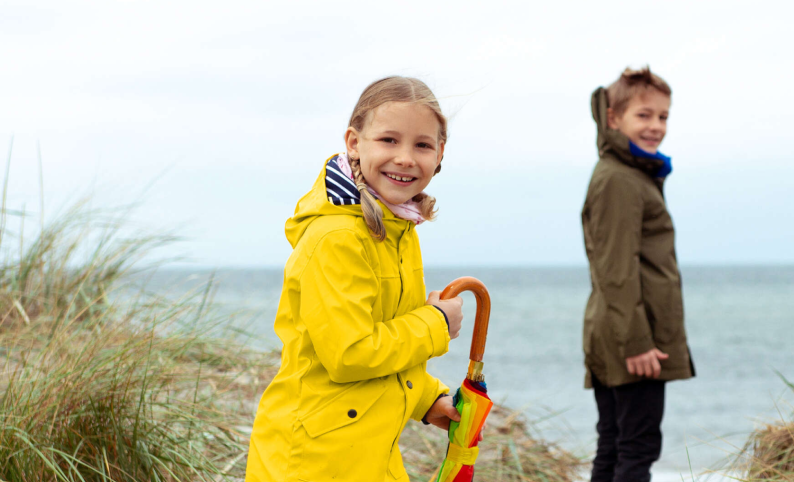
(442, 412)
(452, 308)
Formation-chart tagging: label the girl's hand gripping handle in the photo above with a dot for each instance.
(467, 283)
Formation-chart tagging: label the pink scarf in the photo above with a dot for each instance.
(409, 210)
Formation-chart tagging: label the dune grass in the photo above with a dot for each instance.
(100, 386)
(768, 454)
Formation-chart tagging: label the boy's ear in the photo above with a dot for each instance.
(611, 119)
(351, 142)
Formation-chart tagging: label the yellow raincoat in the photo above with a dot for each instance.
(357, 336)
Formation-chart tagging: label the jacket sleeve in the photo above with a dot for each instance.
(433, 388)
(338, 291)
(616, 212)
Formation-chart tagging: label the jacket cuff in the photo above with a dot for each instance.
(433, 391)
(424, 419)
(446, 318)
(638, 346)
(439, 332)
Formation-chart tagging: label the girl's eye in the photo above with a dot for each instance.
(642, 115)
(390, 140)
(424, 145)
(664, 117)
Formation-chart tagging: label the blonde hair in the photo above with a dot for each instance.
(632, 83)
(392, 89)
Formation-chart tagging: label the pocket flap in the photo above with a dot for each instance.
(346, 408)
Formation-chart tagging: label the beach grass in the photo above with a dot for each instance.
(768, 453)
(102, 383)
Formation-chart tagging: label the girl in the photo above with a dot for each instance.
(356, 329)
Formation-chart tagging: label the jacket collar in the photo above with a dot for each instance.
(315, 203)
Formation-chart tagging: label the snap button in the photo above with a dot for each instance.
(352, 413)
(410, 385)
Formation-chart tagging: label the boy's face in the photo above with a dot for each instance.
(645, 120)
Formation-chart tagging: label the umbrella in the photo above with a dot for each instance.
(471, 399)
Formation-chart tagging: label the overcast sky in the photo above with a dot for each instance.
(232, 107)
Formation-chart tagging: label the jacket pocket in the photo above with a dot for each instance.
(347, 408)
(348, 438)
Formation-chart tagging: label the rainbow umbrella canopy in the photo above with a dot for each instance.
(471, 399)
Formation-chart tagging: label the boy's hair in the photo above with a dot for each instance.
(631, 83)
(392, 89)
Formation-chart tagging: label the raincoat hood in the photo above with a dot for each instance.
(315, 203)
(614, 142)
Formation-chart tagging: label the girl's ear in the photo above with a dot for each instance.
(440, 154)
(611, 122)
(352, 138)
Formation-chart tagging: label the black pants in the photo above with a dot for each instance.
(629, 431)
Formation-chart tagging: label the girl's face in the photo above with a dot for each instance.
(399, 149)
(644, 121)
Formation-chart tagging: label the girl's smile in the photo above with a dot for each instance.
(400, 180)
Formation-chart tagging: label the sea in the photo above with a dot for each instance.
(739, 319)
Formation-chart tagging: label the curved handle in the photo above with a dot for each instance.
(467, 283)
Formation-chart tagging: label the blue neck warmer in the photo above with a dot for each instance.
(667, 166)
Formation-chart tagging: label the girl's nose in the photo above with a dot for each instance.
(405, 159)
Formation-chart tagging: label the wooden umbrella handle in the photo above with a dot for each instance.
(467, 283)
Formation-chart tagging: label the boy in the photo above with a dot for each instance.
(634, 337)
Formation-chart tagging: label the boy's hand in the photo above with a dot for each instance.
(442, 412)
(452, 308)
(647, 364)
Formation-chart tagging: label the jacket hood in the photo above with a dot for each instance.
(614, 142)
(315, 203)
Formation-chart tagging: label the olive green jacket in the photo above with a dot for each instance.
(636, 303)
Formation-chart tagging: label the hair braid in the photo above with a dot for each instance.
(427, 205)
(373, 214)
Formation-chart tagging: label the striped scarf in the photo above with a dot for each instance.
(342, 191)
